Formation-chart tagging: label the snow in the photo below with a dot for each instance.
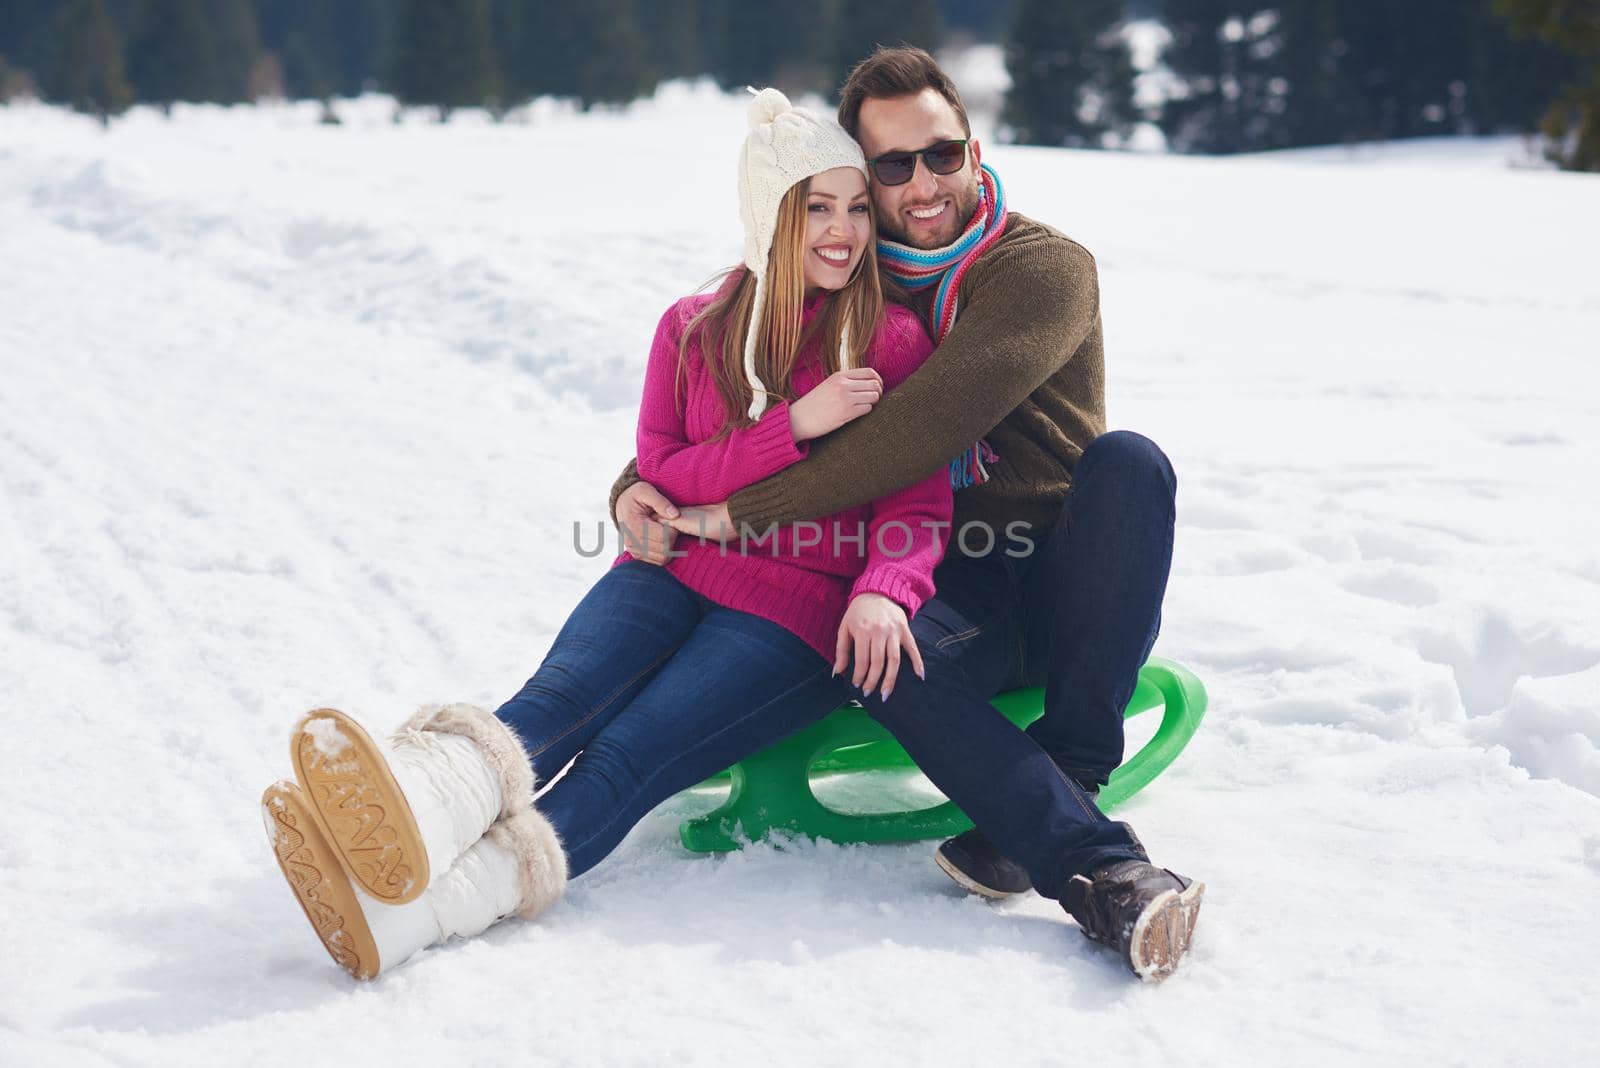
(329, 741)
(299, 416)
(1551, 726)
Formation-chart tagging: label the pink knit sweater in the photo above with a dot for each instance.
(804, 578)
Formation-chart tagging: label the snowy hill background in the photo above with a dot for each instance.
(297, 416)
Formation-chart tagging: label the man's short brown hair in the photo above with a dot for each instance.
(891, 72)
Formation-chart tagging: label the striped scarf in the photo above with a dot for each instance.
(917, 269)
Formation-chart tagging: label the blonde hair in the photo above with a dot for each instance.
(722, 326)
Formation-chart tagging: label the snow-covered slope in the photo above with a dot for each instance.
(292, 415)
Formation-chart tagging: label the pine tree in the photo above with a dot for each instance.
(168, 54)
(519, 29)
(596, 52)
(1447, 66)
(779, 44)
(1197, 117)
(1513, 78)
(1571, 125)
(300, 32)
(1071, 74)
(363, 43)
(1308, 72)
(27, 35)
(1238, 66)
(234, 44)
(442, 54)
(674, 37)
(861, 27)
(616, 67)
(87, 74)
(1325, 76)
(308, 66)
(984, 20)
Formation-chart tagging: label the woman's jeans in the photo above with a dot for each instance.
(1079, 616)
(653, 688)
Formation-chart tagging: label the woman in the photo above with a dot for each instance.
(662, 675)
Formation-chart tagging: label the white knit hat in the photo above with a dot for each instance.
(785, 145)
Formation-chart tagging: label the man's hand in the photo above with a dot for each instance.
(707, 521)
(841, 397)
(643, 513)
(875, 629)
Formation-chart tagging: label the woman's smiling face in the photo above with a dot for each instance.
(838, 227)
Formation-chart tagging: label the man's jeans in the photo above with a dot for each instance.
(653, 687)
(1079, 615)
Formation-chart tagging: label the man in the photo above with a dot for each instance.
(1062, 534)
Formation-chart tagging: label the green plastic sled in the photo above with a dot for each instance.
(772, 789)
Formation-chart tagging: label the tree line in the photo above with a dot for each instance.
(1246, 76)
(1235, 75)
(102, 55)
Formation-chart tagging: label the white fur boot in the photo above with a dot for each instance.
(399, 813)
(518, 867)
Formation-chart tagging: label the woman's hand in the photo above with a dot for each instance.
(707, 521)
(875, 629)
(842, 396)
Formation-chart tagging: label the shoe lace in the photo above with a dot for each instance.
(419, 738)
(1102, 906)
(1088, 907)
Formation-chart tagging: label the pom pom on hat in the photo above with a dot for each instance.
(766, 105)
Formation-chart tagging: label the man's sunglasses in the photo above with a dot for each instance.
(942, 157)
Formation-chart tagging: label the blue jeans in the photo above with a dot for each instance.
(1079, 616)
(652, 688)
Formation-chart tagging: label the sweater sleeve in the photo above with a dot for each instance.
(709, 471)
(906, 539)
(909, 527)
(1021, 319)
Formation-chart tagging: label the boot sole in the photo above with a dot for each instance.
(359, 806)
(1162, 933)
(313, 872)
(968, 883)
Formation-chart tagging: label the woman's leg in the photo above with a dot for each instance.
(737, 685)
(625, 627)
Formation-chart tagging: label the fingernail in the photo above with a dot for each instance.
(885, 695)
(921, 676)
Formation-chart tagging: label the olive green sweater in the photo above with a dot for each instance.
(1023, 366)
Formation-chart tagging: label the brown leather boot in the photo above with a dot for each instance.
(1146, 913)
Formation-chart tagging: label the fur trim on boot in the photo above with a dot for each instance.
(542, 861)
(500, 745)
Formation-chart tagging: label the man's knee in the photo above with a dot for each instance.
(897, 712)
(1129, 454)
(912, 703)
